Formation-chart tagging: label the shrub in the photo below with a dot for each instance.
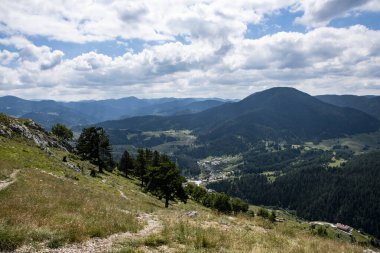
(10, 240)
(272, 216)
(4, 119)
(55, 243)
(263, 213)
(251, 213)
(155, 241)
(239, 205)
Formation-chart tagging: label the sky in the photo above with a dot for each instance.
(78, 50)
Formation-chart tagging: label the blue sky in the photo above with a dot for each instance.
(96, 49)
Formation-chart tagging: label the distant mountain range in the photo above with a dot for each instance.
(367, 104)
(277, 114)
(49, 112)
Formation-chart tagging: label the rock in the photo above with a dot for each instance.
(32, 131)
(5, 133)
(192, 214)
(369, 251)
(73, 167)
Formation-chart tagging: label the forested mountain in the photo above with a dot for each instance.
(49, 112)
(46, 112)
(277, 114)
(367, 104)
(349, 194)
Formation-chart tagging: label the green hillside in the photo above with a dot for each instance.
(51, 205)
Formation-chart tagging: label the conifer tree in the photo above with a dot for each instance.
(126, 164)
(165, 181)
(141, 165)
(93, 145)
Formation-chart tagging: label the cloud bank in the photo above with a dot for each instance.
(200, 49)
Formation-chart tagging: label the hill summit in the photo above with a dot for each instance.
(280, 114)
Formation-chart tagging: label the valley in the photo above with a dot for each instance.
(190, 126)
(62, 208)
(281, 149)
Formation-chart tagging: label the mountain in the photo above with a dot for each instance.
(367, 104)
(46, 112)
(63, 116)
(174, 107)
(51, 203)
(276, 114)
(49, 112)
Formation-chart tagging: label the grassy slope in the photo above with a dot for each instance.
(50, 205)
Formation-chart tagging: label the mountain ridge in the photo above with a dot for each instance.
(49, 112)
(277, 113)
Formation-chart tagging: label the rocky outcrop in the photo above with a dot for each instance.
(13, 127)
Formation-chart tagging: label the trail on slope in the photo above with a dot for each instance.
(12, 178)
(105, 244)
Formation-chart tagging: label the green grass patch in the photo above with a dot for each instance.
(10, 238)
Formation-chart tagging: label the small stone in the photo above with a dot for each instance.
(192, 214)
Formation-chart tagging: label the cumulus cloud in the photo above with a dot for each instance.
(320, 13)
(83, 21)
(213, 56)
(7, 57)
(344, 56)
(32, 56)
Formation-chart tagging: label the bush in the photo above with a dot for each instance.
(239, 205)
(9, 240)
(272, 216)
(251, 213)
(218, 201)
(263, 213)
(93, 173)
(62, 132)
(55, 243)
(202, 240)
(222, 203)
(155, 241)
(4, 119)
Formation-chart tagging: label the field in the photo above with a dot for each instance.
(359, 143)
(167, 141)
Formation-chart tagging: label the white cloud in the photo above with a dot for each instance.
(320, 13)
(213, 57)
(342, 58)
(83, 21)
(31, 56)
(7, 57)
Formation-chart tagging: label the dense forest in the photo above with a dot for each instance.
(349, 194)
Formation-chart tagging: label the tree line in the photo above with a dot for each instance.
(216, 200)
(156, 173)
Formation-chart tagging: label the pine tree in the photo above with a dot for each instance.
(156, 159)
(166, 182)
(93, 145)
(141, 166)
(126, 164)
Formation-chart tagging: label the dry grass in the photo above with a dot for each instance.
(50, 207)
(212, 232)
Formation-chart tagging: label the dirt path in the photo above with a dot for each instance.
(105, 244)
(12, 178)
